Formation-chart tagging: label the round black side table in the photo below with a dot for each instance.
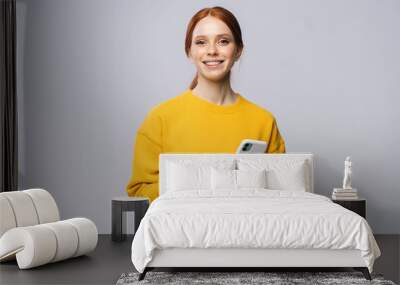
(121, 205)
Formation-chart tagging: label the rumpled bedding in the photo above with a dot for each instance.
(250, 218)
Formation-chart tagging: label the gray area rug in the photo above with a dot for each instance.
(229, 278)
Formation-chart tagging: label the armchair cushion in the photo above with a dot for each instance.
(40, 244)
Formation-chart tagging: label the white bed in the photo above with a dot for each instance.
(201, 226)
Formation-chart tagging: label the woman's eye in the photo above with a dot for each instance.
(199, 42)
(224, 42)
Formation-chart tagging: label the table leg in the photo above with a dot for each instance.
(140, 211)
(118, 222)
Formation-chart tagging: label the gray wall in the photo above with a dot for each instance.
(89, 71)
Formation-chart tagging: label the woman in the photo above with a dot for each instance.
(209, 117)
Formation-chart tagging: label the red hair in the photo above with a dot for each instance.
(220, 13)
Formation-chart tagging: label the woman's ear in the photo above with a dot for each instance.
(238, 53)
(189, 56)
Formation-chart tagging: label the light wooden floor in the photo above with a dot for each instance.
(110, 260)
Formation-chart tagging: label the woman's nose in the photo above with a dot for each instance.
(212, 49)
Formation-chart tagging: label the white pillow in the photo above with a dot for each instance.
(223, 179)
(251, 178)
(186, 174)
(236, 179)
(281, 174)
(288, 179)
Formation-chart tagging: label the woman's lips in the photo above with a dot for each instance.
(213, 63)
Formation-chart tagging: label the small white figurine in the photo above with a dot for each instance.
(347, 174)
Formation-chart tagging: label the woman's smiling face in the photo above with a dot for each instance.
(213, 49)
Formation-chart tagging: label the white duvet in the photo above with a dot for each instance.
(251, 218)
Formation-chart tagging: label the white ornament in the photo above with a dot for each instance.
(347, 174)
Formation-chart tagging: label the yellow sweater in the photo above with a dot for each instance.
(190, 124)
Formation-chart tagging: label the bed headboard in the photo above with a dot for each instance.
(307, 157)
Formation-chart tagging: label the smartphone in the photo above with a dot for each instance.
(252, 146)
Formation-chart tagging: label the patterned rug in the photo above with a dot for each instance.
(243, 278)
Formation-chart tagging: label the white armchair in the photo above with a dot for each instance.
(32, 233)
